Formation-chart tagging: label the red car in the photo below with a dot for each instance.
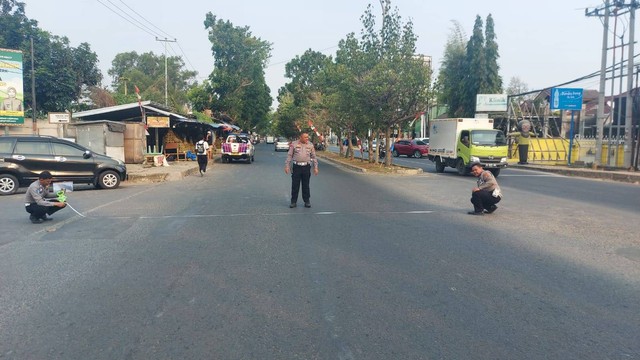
(415, 148)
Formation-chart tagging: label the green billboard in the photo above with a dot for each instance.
(11, 88)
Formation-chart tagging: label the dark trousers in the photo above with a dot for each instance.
(40, 211)
(300, 174)
(202, 162)
(482, 199)
(523, 151)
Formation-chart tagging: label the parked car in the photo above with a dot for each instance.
(282, 144)
(415, 148)
(238, 147)
(424, 140)
(23, 158)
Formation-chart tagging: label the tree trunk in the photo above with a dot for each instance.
(387, 146)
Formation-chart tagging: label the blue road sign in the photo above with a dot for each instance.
(566, 99)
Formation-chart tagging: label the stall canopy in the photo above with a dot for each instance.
(189, 129)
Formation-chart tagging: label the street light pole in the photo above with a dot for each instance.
(166, 77)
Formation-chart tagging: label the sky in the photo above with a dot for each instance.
(543, 42)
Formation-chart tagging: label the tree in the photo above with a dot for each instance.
(237, 85)
(476, 70)
(469, 69)
(452, 70)
(492, 83)
(146, 71)
(396, 88)
(62, 72)
(305, 88)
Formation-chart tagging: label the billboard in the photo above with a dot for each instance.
(11, 89)
(491, 102)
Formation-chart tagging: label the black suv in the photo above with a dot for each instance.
(23, 158)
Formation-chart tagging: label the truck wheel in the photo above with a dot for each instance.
(439, 166)
(8, 184)
(248, 159)
(417, 154)
(109, 180)
(495, 172)
(395, 153)
(462, 169)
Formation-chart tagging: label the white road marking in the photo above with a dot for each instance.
(532, 175)
(415, 212)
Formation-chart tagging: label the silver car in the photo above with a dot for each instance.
(282, 144)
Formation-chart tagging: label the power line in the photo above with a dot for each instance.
(186, 57)
(132, 18)
(129, 21)
(143, 18)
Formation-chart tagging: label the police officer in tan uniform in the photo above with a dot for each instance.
(303, 155)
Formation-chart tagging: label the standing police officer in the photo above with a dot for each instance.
(303, 155)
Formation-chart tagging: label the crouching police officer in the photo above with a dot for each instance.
(303, 155)
(36, 203)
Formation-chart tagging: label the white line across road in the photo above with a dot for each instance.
(413, 212)
(532, 175)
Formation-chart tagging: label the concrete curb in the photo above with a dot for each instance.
(399, 169)
(620, 176)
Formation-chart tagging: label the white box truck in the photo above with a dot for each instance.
(459, 142)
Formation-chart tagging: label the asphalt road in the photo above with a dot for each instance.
(381, 267)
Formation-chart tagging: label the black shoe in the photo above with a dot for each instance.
(491, 209)
(292, 205)
(307, 205)
(35, 220)
(46, 218)
(475, 213)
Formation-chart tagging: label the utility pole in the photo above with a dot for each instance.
(33, 92)
(124, 80)
(166, 77)
(628, 120)
(603, 78)
(626, 7)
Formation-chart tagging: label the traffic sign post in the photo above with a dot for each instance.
(567, 99)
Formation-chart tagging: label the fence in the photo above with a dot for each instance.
(555, 151)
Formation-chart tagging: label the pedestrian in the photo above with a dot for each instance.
(487, 194)
(202, 147)
(36, 203)
(302, 155)
(523, 139)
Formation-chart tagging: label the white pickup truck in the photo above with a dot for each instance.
(238, 147)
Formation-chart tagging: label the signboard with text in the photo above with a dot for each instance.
(491, 103)
(158, 121)
(11, 88)
(59, 118)
(566, 99)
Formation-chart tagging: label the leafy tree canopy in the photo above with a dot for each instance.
(236, 87)
(63, 73)
(147, 72)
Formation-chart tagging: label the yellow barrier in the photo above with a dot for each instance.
(556, 152)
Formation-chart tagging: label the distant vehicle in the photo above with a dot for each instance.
(415, 148)
(23, 158)
(424, 140)
(458, 143)
(238, 147)
(270, 140)
(282, 144)
(374, 145)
